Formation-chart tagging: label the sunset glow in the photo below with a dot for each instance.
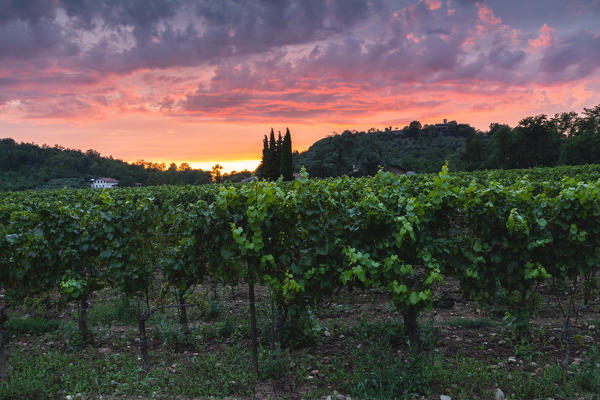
(228, 166)
(202, 82)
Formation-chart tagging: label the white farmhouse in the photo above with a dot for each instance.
(104, 183)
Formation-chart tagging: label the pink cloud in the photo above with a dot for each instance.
(319, 66)
(433, 4)
(545, 38)
(486, 15)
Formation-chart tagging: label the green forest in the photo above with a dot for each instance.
(567, 138)
(29, 166)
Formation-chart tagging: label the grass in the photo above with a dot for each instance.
(378, 372)
(54, 374)
(368, 366)
(464, 378)
(465, 323)
(366, 358)
(33, 326)
(121, 310)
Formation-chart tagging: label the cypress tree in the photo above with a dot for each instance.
(285, 159)
(276, 157)
(263, 167)
(273, 165)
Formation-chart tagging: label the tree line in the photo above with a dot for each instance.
(539, 141)
(567, 138)
(416, 147)
(29, 166)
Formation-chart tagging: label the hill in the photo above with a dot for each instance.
(415, 147)
(29, 166)
(567, 138)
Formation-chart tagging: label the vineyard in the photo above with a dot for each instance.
(272, 261)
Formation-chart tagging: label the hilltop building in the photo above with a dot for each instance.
(443, 126)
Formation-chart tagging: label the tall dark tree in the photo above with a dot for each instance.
(270, 166)
(263, 168)
(286, 167)
(277, 157)
(273, 165)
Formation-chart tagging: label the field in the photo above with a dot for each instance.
(384, 287)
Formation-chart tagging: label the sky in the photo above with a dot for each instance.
(203, 81)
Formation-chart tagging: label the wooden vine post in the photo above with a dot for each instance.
(183, 318)
(253, 336)
(4, 342)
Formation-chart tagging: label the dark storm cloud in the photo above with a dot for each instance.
(169, 33)
(505, 57)
(137, 13)
(140, 15)
(28, 29)
(21, 39)
(222, 29)
(26, 10)
(572, 58)
(313, 51)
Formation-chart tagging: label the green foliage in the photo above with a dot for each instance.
(28, 166)
(422, 149)
(273, 363)
(170, 333)
(462, 378)
(471, 323)
(380, 373)
(566, 138)
(588, 375)
(38, 305)
(388, 332)
(119, 310)
(35, 326)
(72, 288)
(525, 350)
(301, 329)
(214, 309)
(52, 374)
(228, 327)
(495, 232)
(72, 337)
